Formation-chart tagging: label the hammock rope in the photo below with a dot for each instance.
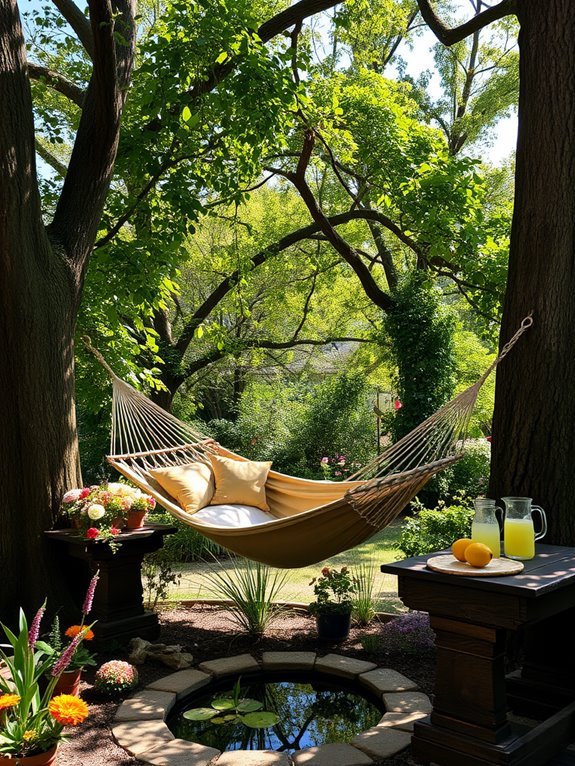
(144, 436)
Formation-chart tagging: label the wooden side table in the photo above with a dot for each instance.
(118, 601)
(471, 617)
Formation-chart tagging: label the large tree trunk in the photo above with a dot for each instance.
(533, 439)
(38, 445)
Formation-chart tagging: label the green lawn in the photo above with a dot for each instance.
(380, 549)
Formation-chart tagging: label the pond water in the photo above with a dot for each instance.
(309, 713)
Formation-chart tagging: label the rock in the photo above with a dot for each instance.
(173, 656)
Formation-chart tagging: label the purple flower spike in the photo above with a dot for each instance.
(66, 657)
(87, 608)
(34, 631)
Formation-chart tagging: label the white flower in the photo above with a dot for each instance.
(96, 511)
(72, 495)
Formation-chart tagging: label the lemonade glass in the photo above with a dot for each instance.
(485, 526)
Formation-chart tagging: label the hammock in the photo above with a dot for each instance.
(309, 520)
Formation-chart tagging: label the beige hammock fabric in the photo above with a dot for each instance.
(312, 520)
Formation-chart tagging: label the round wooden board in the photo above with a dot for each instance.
(448, 564)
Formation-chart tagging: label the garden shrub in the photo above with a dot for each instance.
(334, 421)
(470, 475)
(421, 330)
(434, 530)
(408, 634)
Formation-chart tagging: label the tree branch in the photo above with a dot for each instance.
(306, 232)
(449, 36)
(370, 286)
(78, 22)
(57, 82)
(245, 345)
(81, 202)
(49, 158)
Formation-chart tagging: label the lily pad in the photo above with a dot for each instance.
(223, 703)
(260, 720)
(200, 714)
(231, 717)
(248, 705)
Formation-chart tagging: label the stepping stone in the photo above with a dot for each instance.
(253, 758)
(288, 660)
(386, 680)
(182, 683)
(180, 753)
(146, 705)
(331, 755)
(380, 742)
(407, 702)
(140, 736)
(403, 721)
(227, 666)
(348, 667)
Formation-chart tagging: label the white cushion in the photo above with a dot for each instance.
(232, 516)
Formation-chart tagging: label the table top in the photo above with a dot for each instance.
(552, 568)
(75, 536)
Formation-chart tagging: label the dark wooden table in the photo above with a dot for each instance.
(472, 618)
(118, 601)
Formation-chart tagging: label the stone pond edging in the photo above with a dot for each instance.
(139, 726)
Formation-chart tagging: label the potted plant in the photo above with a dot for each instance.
(69, 681)
(334, 590)
(101, 511)
(32, 722)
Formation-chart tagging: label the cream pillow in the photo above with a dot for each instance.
(240, 482)
(192, 484)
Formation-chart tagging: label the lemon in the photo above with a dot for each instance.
(478, 555)
(459, 546)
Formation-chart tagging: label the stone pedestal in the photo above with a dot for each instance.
(118, 602)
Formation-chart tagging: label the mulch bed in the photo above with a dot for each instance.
(207, 633)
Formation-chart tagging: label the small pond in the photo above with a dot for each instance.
(303, 711)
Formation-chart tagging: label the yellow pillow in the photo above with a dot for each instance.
(240, 482)
(192, 484)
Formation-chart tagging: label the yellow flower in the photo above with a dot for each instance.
(73, 631)
(8, 700)
(68, 710)
(29, 735)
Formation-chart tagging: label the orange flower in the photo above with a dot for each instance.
(73, 631)
(67, 709)
(8, 700)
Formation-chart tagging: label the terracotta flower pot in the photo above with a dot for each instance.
(136, 519)
(41, 759)
(68, 683)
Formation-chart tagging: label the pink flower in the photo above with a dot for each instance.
(152, 502)
(337, 473)
(85, 492)
(325, 460)
(72, 495)
(114, 531)
(66, 657)
(34, 631)
(90, 593)
(92, 533)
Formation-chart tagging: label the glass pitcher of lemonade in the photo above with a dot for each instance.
(485, 526)
(518, 531)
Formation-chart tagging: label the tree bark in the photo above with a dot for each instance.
(533, 443)
(38, 448)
